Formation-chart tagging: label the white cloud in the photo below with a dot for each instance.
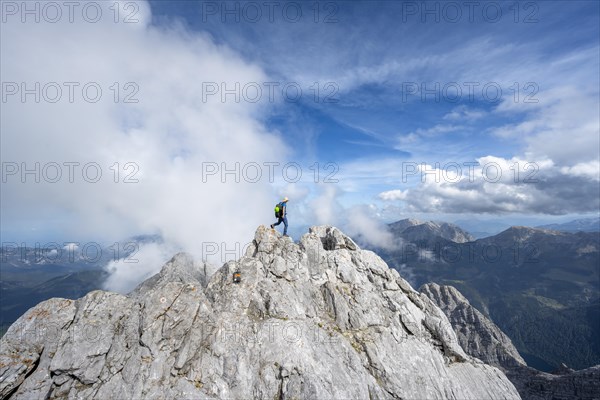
(464, 113)
(295, 192)
(170, 134)
(127, 273)
(71, 247)
(425, 254)
(436, 130)
(423, 136)
(562, 125)
(362, 223)
(501, 186)
(325, 207)
(590, 169)
(392, 195)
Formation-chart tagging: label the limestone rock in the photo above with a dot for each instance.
(318, 319)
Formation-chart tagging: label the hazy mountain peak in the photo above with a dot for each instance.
(415, 230)
(577, 225)
(524, 233)
(402, 224)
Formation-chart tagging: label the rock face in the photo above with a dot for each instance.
(476, 333)
(321, 319)
(481, 338)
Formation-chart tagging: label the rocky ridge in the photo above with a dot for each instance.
(318, 319)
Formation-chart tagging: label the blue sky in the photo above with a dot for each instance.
(375, 51)
(370, 59)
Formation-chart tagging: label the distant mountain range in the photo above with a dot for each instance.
(27, 281)
(578, 225)
(19, 296)
(34, 274)
(541, 287)
(483, 228)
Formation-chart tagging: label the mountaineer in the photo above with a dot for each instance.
(281, 215)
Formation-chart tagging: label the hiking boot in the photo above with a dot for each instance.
(272, 226)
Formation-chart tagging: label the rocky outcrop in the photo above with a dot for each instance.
(481, 338)
(321, 319)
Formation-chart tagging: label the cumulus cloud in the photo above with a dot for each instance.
(157, 156)
(391, 195)
(556, 169)
(590, 169)
(497, 185)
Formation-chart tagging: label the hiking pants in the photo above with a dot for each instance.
(285, 224)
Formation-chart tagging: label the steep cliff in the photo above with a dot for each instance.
(481, 338)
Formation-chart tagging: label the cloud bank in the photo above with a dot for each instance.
(151, 152)
(503, 186)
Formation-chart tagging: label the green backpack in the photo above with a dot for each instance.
(278, 210)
